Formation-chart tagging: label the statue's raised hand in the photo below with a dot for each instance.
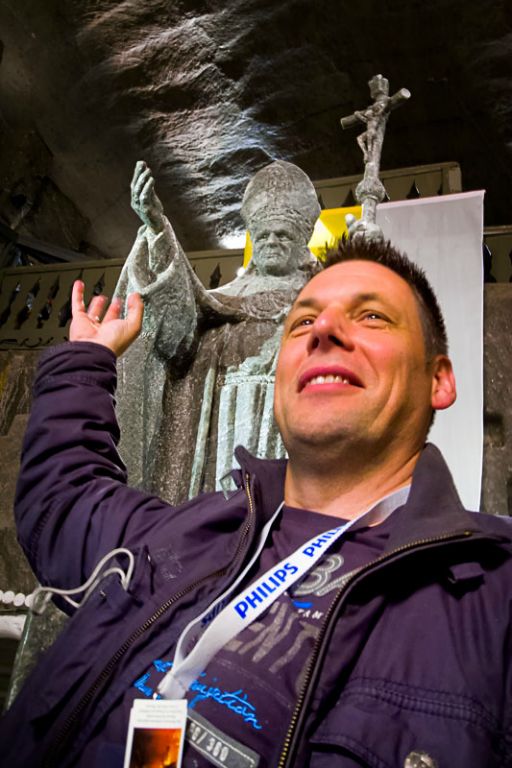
(145, 202)
(112, 331)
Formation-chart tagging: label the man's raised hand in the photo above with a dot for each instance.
(145, 202)
(112, 331)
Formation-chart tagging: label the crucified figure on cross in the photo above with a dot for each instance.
(370, 191)
(373, 116)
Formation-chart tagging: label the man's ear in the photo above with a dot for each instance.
(444, 390)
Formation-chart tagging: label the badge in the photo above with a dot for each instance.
(156, 733)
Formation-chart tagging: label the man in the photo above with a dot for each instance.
(392, 649)
(203, 368)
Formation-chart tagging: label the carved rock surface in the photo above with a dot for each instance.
(497, 473)
(17, 371)
(208, 92)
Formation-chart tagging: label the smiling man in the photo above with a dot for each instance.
(358, 381)
(340, 609)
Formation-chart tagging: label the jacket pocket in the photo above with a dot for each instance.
(88, 640)
(384, 724)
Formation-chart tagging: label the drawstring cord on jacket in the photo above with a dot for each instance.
(42, 595)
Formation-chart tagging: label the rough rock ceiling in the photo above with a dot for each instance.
(208, 92)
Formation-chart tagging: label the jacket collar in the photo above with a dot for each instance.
(432, 510)
(266, 480)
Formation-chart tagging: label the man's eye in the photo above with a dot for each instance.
(302, 322)
(374, 316)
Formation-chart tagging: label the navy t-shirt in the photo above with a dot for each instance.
(240, 706)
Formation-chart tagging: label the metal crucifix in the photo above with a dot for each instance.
(370, 191)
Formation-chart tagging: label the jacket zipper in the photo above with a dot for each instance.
(290, 741)
(65, 732)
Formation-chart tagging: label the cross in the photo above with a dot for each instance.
(370, 191)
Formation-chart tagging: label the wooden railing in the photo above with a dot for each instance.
(35, 300)
(400, 183)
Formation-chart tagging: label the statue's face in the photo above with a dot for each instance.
(277, 247)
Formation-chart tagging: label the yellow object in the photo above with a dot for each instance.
(329, 228)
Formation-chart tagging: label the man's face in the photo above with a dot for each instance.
(352, 365)
(276, 247)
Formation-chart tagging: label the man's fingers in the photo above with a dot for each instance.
(135, 312)
(77, 298)
(96, 307)
(112, 331)
(114, 310)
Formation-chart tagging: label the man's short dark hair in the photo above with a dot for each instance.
(434, 329)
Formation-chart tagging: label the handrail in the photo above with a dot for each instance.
(35, 300)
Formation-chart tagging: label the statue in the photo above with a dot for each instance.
(370, 191)
(200, 378)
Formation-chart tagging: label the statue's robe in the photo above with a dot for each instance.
(200, 378)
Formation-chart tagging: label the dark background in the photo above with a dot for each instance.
(207, 92)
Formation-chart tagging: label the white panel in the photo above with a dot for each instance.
(444, 236)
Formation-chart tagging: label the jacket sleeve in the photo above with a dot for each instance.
(72, 503)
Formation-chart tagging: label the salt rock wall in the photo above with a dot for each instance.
(17, 371)
(209, 91)
(497, 470)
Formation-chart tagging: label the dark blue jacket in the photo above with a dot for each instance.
(414, 655)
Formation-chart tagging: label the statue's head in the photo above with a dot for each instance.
(280, 208)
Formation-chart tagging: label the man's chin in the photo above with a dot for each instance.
(319, 438)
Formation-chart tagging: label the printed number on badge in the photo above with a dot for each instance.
(217, 749)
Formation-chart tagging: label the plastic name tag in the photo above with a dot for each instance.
(223, 620)
(156, 733)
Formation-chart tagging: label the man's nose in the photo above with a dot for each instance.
(331, 328)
